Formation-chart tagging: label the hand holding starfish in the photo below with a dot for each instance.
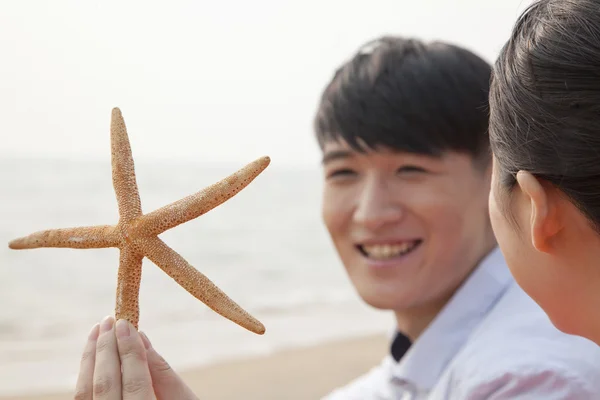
(136, 234)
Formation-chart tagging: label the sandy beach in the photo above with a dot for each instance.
(279, 264)
(301, 373)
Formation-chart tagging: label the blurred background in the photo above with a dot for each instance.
(205, 87)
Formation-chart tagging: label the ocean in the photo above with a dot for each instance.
(266, 248)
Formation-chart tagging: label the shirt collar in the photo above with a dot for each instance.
(427, 358)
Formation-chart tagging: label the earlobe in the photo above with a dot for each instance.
(543, 224)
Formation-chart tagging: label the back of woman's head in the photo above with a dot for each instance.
(545, 100)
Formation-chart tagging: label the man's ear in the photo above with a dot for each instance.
(544, 218)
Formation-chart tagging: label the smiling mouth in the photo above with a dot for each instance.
(388, 251)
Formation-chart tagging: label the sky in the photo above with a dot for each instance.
(201, 80)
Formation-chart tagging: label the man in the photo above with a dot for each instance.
(403, 130)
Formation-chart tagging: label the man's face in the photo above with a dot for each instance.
(408, 228)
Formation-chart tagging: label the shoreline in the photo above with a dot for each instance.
(288, 373)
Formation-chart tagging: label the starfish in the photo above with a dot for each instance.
(136, 234)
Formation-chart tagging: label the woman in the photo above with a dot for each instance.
(545, 136)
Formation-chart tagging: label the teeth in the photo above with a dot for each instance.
(387, 251)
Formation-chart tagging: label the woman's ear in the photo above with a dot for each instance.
(544, 221)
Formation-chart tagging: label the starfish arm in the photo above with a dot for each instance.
(197, 284)
(195, 205)
(90, 237)
(123, 170)
(128, 286)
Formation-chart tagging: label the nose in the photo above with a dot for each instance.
(377, 205)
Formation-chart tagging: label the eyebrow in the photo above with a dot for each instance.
(335, 155)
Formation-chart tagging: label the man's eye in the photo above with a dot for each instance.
(410, 169)
(338, 173)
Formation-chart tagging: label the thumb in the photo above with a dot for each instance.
(165, 381)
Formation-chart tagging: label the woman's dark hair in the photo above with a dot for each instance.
(408, 95)
(545, 101)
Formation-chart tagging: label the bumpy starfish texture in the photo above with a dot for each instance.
(136, 234)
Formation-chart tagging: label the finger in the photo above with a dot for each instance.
(83, 388)
(136, 381)
(167, 384)
(107, 372)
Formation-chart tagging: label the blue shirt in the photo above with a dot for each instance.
(491, 341)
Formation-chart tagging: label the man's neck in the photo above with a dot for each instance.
(414, 321)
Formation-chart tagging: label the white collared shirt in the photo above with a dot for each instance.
(490, 341)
